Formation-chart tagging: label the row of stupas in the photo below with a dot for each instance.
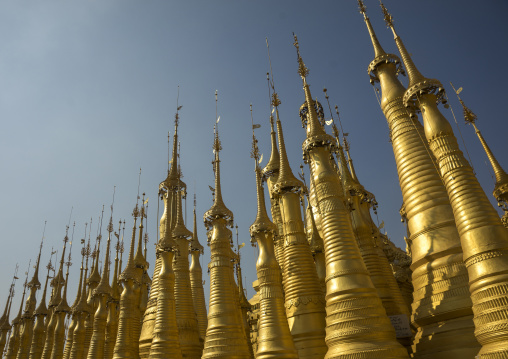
(330, 284)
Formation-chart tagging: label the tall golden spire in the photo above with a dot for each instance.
(167, 189)
(274, 336)
(483, 237)
(315, 131)
(73, 314)
(61, 312)
(82, 311)
(378, 50)
(434, 237)
(159, 335)
(102, 293)
(5, 326)
(418, 83)
(375, 260)
(127, 341)
(270, 175)
(196, 279)
(224, 335)
(363, 329)
(37, 343)
(245, 306)
(93, 281)
(303, 295)
(13, 346)
(31, 302)
(501, 186)
(165, 330)
(218, 209)
(185, 314)
(57, 282)
(113, 304)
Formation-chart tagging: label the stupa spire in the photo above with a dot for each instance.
(262, 222)
(418, 84)
(271, 171)
(413, 73)
(481, 231)
(224, 335)
(14, 340)
(82, 268)
(186, 319)
(286, 177)
(272, 167)
(129, 318)
(218, 209)
(5, 326)
(34, 283)
(430, 218)
(274, 336)
(501, 186)
(315, 130)
(61, 311)
(378, 50)
(103, 293)
(196, 279)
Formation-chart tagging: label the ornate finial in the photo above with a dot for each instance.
(303, 71)
(387, 16)
(286, 181)
(361, 7)
(262, 222)
(418, 84)
(469, 116)
(218, 209)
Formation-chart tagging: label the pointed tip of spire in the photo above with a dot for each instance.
(262, 222)
(272, 167)
(180, 231)
(286, 181)
(194, 243)
(218, 209)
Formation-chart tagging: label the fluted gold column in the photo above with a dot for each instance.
(168, 194)
(81, 311)
(274, 338)
(28, 315)
(483, 237)
(93, 281)
(102, 293)
(374, 258)
(185, 313)
(61, 313)
(245, 306)
(305, 309)
(357, 325)
(196, 279)
(13, 345)
(166, 341)
(5, 326)
(270, 175)
(127, 340)
(500, 192)
(40, 313)
(56, 297)
(225, 337)
(442, 306)
(73, 314)
(113, 305)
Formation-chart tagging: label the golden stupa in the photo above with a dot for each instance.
(330, 284)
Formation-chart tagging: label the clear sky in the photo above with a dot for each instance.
(88, 93)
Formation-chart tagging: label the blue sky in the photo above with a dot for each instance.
(88, 92)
